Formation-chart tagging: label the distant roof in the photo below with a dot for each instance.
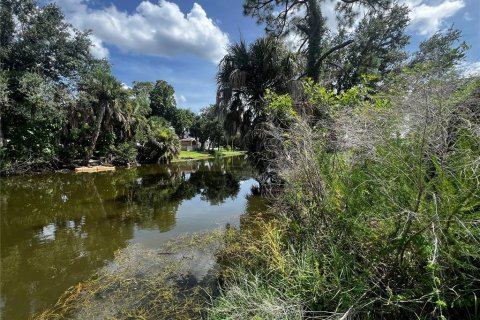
(188, 139)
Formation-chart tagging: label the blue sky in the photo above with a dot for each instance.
(182, 41)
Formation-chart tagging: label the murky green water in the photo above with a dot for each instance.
(59, 229)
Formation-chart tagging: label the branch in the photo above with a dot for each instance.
(282, 17)
(332, 50)
(329, 52)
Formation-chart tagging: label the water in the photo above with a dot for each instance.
(59, 229)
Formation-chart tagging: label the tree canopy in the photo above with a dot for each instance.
(60, 105)
(318, 42)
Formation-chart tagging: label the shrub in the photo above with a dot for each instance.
(385, 227)
(124, 154)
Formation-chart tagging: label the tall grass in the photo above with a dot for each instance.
(382, 226)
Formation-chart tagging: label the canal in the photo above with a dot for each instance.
(59, 229)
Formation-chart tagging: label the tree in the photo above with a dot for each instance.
(182, 121)
(207, 126)
(159, 143)
(245, 74)
(4, 101)
(142, 87)
(305, 18)
(200, 130)
(59, 104)
(42, 42)
(42, 58)
(438, 53)
(103, 89)
(378, 49)
(162, 100)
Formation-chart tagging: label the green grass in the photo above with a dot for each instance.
(202, 155)
(225, 153)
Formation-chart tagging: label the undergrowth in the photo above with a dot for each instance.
(388, 228)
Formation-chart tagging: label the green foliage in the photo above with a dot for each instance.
(41, 61)
(183, 121)
(125, 153)
(207, 126)
(58, 104)
(279, 106)
(245, 74)
(32, 125)
(378, 46)
(328, 103)
(439, 53)
(101, 90)
(43, 42)
(162, 100)
(142, 87)
(381, 230)
(338, 56)
(159, 143)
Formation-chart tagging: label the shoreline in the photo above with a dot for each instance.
(205, 155)
(50, 168)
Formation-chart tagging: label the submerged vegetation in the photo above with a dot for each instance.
(59, 230)
(147, 284)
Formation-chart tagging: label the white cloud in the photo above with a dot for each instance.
(125, 86)
(153, 29)
(180, 99)
(469, 69)
(426, 19)
(97, 49)
(426, 16)
(467, 16)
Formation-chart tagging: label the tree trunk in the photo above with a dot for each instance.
(98, 126)
(314, 33)
(1, 133)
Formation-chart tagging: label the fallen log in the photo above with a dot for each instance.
(94, 169)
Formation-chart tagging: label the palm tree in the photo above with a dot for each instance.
(103, 89)
(245, 74)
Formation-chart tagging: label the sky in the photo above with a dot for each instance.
(182, 41)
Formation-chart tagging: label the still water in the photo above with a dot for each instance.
(59, 229)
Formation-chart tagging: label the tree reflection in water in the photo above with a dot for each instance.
(58, 229)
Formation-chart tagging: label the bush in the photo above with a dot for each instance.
(124, 154)
(159, 142)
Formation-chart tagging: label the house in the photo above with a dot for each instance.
(188, 144)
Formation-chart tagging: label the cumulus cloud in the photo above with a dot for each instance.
(426, 16)
(153, 29)
(97, 49)
(426, 19)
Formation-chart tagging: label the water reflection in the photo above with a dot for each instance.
(57, 230)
